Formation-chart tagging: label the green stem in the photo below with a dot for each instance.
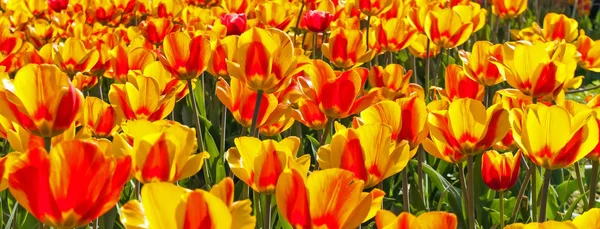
(414, 68)
(534, 193)
(507, 34)
(405, 191)
(580, 183)
(138, 189)
(259, 95)
(420, 174)
(501, 193)
(470, 186)
(315, 41)
(463, 185)
(267, 213)
(223, 128)
(258, 211)
(513, 216)
(199, 132)
(5, 147)
(323, 138)
(427, 71)
(47, 144)
(544, 195)
(593, 184)
(298, 20)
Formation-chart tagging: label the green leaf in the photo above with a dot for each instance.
(569, 214)
(314, 146)
(565, 189)
(440, 182)
(199, 94)
(216, 164)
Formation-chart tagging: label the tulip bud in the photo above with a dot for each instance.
(317, 21)
(58, 5)
(235, 23)
(500, 171)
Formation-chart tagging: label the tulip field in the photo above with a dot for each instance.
(281, 114)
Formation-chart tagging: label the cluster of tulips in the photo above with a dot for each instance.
(117, 104)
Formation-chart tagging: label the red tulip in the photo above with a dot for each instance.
(317, 21)
(235, 23)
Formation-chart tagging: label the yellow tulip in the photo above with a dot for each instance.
(428, 220)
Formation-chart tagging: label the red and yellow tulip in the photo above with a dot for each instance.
(260, 163)
(545, 225)
(329, 198)
(428, 220)
(391, 82)
(166, 205)
(185, 57)
(477, 66)
(558, 27)
(446, 29)
(590, 52)
(125, 59)
(346, 49)
(161, 151)
(418, 48)
(41, 99)
(100, 118)
(500, 171)
(71, 185)
(73, 57)
(459, 85)
(508, 8)
(141, 98)
(223, 50)
(394, 34)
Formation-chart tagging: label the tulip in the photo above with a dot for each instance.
(161, 151)
(167, 8)
(11, 45)
(329, 198)
(73, 57)
(406, 116)
(265, 60)
(428, 220)
(5, 163)
(508, 8)
(348, 84)
(73, 184)
(237, 6)
(477, 66)
(260, 163)
(141, 98)
(441, 150)
(545, 225)
(500, 172)
(100, 118)
(157, 29)
(446, 29)
(528, 34)
(309, 114)
(471, 13)
(418, 48)
(40, 32)
(534, 131)
(589, 219)
(275, 14)
(58, 5)
(395, 34)
(460, 86)
(185, 57)
(374, 7)
(241, 102)
(392, 82)
(346, 49)
(125, 59)
(594, 103)
(590, 52)
(45, 109)
(223, 50)
(367, 151)
(317, 21)
(417, 14)
(467, 127)
(167, 82)
(235, 23)
(166, 205)
(531, 69)
(558, 27)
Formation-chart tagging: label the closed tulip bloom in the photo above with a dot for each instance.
(418, 48)
(346, 49)
(80, 182)
(264, 60)
(472, 13)
(428, 220)
(477, 66)
(156, 29)
(10, 46)
(500, 171)
(223, 50)
(531, 69)
(459, 85)
(594, 103)
(73, 57)
(275, 14)
(241, 102)
(545, 225)
(446, 29)
(392, 82)
(141, 98)
(558, 27)
(395, 34)
(374, 7)
(39, 33)
(260, 163)
(534, 130)
(235, 23)
(589, 219)
(406, 116)
(41, 99)
(590, 52)
(367, 151)
(124, 59)
(161, 151)
(185, 57)
(508, 8)
(100, 118)
(166, 205)
(467, 126)
(167, 82)
(237, 6)
(58, 5)
(317, 20)
(417, 14)
(5, 163)
(329, 198)
(309, 114)
(348, 84)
